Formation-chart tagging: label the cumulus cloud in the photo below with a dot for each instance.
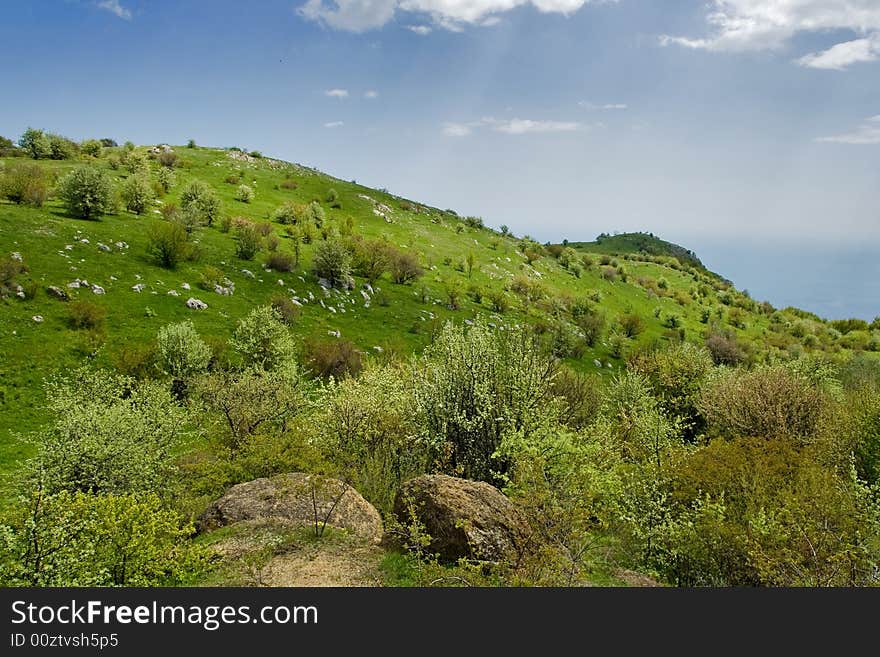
(362, 15)
(603, 106)
(843, 55)
(115, 8)
(509, 126)
(336, 93)
(751, 25)
(867, 133)
(334, 124)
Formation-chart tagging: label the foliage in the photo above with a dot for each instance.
(182, 352)
(248, 241)
(244, 193)
(201, 200)
(332, 261)
(262, 340)
(24, 183)
(87, 192)
(335, 358)
(168, 243)
(137, 193)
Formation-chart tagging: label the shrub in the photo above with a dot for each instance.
(332, 261)
(87, 192)
(453, 289)
(272, 243)
(263, 340)
(724, 349)
(166, 179)
(592, 325)
(24, 183)
(580, 395)
(475, 292)
(768, 402)
(137, 193)
(287, 214)
(182, 352)
(167, 242)
(474, 387)
(289, 184)
(36, 143)
(199, 198)
(191, 143)
(333, 199)
(244, 193)
(136, 360)
(404, 267)
(210, 277)
(85, 315)
(332, 358)
(168, 159)
(672, 321)
(135, 161)
(286, 308)
(632, 325)
(91, 147)
(280, 261)
(315, 214)
(371, 258)
(528, 288)
(248, 241)
(499, 300)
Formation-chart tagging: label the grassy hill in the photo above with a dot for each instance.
(510, 279)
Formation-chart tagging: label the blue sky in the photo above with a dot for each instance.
(740, 128)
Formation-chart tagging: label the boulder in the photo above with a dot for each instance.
(290, 497)
(58, 293)
(464, 518)
(196, 304)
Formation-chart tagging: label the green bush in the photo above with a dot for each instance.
(137, 193)
(167, 243)
(87, 192)
(91, 147)
(336, 358)
(286, 308)
(248, 241)
(280, 261)
(263, 340)
(182, 352)
(198, 197)
(244, 193)
(24, 183)
(332, 261)
(85, 315)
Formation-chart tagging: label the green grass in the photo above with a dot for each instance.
(31, 352)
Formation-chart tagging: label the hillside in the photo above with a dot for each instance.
(635, 275)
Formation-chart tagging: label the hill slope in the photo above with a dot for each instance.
(627, 293)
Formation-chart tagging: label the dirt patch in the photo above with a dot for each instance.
(318, 565)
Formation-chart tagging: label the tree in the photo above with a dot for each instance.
(244, 193)
(470, 262)
(137, 193)
(110, 434)
(315, 214)
(263, 340)
(473, 387)
(332, 261)
(87, 192)
(198, 197)
(77, 539)
(183, 353)
(166, 179)
(167, 242)
(371, 259)
(91, 147)
(405, 267)
(36, 143)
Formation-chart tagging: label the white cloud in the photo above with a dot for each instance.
(115, 8)
(752, 25)
(509, 126)
(603, 106)
(362, 15)
(845, 54)
(371, 94)
(867, 133)
(336, 93)
(421, 30)
(334, 124)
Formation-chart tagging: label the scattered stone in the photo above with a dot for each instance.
(58, 293)
(378, 349)
(68, 247)
(113, 278)
(139, 287)
(73, 285)
(464, 518)
(248, 273)
(294, 497)
(295, 301)
(137, 277)
(280, 282)
(84, 240)
(323, 282)
(331, 309)
(103, 247)
(196, 304)
(311, 296)
(38, 319)
(173, 293)
(185, 286)
(17, 256)
(121, 245)
(335, 334)
(597, 362)
(97, 289)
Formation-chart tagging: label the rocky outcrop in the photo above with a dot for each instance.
(464, 518)
(294, 497)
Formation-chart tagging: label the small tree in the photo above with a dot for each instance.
(191, 143)
(333, 199)
(332, 261)
(263, 340)
(315, 214)
(24, 183)
(470, 263)
(137, 193)
(404, 267)
(183, 353)
(36, 143)
(372, 259)
(244, 193)
(198, 197)
(87, 192)
(91, 147)
(167, 243)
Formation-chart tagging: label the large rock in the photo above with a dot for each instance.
(290, 497)
(464, 518)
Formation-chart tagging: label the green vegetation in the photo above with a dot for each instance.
(640, 411)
